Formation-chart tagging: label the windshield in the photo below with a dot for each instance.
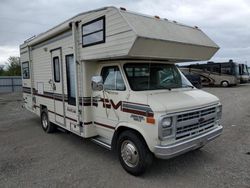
(244, 70)
(154, 76)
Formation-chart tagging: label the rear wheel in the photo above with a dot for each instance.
(133, 153)
(47, 126)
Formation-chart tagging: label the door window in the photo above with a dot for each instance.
(56, 66)
(70, 66)
(112, 79)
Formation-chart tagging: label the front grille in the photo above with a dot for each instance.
(196, 114)
(193, 123)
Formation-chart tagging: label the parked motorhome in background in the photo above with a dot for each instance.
(244, 73)
(215, 74)
(195, 79)
(108, 76)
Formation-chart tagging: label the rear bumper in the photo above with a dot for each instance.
(169, 151)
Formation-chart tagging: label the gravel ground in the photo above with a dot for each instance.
(31, 158)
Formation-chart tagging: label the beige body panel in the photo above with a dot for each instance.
(128, 36)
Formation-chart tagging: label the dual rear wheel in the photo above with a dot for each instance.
(47, 126)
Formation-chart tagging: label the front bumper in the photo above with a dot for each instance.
(169, 151)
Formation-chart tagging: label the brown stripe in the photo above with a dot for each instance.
(106, 103)
(62, 116)
(71, 119)
(88, 123)
(149, 114)
(26, 92)
(104, 125)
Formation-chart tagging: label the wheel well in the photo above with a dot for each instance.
(224, 81)
(119, 131)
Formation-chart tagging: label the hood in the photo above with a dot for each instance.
(177, 100)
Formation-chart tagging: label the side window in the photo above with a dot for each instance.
(93, 32)
(226, 70)
(25, 70)
(56, 67)
(70, 68)
(112, 78)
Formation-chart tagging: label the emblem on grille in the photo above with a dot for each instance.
(201, 120)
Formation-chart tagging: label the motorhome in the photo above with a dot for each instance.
(109, 75)
(223, 74)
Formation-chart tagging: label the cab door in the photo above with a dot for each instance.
(57, 86)
(108, 111)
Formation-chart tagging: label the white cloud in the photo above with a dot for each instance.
(6, 52)
(225, 21)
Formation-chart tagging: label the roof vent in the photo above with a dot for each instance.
(122, 8)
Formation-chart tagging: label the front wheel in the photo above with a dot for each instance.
(133, 153)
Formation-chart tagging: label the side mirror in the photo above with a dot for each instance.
(97, 83)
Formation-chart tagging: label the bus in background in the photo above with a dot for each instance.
(215, 74)
(243, 73)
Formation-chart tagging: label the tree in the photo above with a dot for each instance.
(13, 66)
(2, 71)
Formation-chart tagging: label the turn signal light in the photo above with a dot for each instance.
(151, 120)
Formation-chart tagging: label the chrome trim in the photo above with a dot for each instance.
(172, 150)
(101, 143)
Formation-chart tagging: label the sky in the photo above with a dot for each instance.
(225, 21)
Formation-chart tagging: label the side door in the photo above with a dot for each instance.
(57, 86)
(108, 112)
(26, 84)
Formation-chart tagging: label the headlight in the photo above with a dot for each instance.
(165, 127)
(219, 112)
(219, 109)
(166, 122)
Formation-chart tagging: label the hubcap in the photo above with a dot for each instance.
(44, 121)
(129, 153)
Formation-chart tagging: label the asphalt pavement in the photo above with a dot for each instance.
(31, 158)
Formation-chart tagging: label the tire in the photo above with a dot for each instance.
(47, 126)
(133, 153)
(224, 84)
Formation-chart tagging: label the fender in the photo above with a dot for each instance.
(147, 131)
